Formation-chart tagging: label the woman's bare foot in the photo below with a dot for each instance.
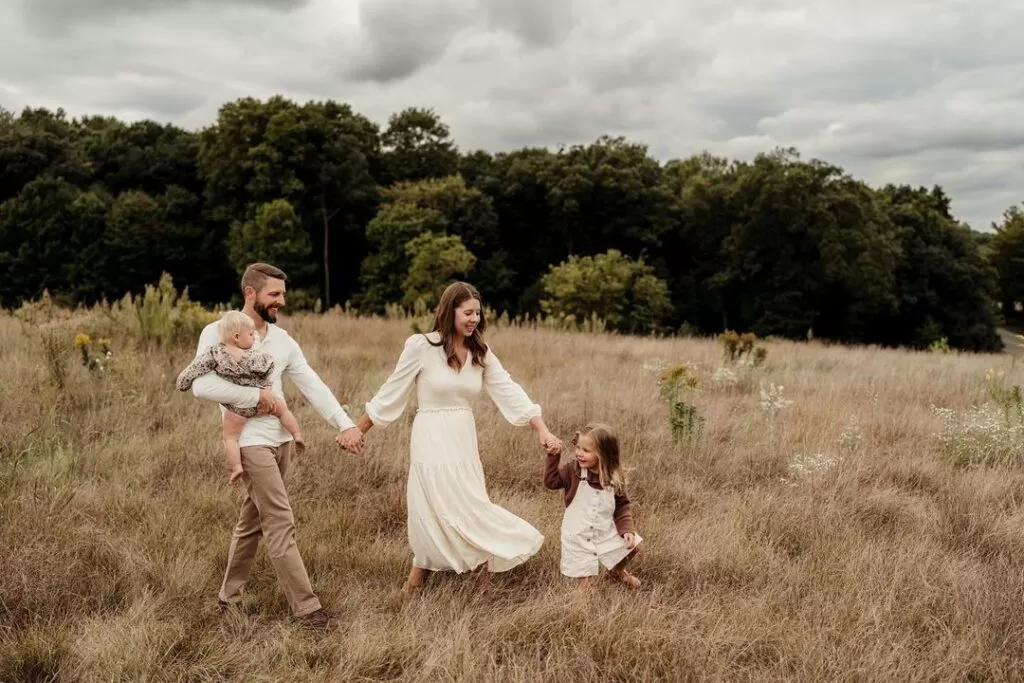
(625, 578)
(482, 575)
(414, 584)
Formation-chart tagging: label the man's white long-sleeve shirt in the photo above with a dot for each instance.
(266, 430)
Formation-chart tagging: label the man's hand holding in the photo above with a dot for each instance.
(268, 402)
(351, 440)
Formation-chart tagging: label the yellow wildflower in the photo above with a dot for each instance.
(82, 340)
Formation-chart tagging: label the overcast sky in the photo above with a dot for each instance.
(896, 91)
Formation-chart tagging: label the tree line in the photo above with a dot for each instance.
(370, 216)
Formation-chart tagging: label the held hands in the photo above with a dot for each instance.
(550, 443)
(630, 539)
(351, 440)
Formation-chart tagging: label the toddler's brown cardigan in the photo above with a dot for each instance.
(567, 477)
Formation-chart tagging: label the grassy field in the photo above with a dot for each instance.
(871, 529)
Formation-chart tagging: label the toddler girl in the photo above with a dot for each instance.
(236, 360)
(597, 528)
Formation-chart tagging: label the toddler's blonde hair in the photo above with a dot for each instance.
(606, 442)
(234, 321)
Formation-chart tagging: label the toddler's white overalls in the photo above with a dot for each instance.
(589, 537)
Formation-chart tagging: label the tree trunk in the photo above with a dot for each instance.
(327, 258)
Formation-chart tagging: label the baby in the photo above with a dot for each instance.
(238, 362)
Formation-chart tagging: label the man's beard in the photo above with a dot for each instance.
(268, 315)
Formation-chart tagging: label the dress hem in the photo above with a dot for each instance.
(507, 565)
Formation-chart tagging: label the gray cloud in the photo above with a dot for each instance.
(538, 23)
(56, 15)
(400, 37)
(142, 94)
(893, 92)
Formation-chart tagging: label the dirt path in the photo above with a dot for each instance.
(1013, 344)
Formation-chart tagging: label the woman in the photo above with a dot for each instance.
(452, 523)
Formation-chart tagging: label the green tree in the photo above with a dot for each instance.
(383, 271)
(433, 261)
(318, 156)
(703, 189)
(621, 291)
(136, 240)
(417, 146)
(159, 215)
(143, 155)
(608, 194)
(97, 206)
(51, 238)
(517, 184)
(984, 242)
(581, 200)
(811, 250)
(1007, 255)
(37, 143)
(439, 205)
(944, 286)
(275, 235)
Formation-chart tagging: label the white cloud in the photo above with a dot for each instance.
(916, 92)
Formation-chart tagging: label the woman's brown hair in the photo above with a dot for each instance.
(606, 444)
(454, 296)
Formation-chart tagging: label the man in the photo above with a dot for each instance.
(267, 449)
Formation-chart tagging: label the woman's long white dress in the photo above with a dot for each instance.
(452, 523)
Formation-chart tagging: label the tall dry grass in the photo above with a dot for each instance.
(844, 537)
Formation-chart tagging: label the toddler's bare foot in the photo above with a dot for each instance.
(625, 578)
(586, 583)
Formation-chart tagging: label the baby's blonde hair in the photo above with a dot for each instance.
(234, 321)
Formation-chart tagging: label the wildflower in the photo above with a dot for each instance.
(655, 365)
(676, 378)
(852, 435)
(725, 376)
(100, 360)
(680, 373)
(979, 436)
(772, 400)
(807, 466)
(991, 375)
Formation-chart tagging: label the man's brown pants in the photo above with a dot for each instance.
(267, 513)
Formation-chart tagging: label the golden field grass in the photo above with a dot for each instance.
(839, 539)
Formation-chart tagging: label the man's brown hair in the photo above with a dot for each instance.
(257, 274)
